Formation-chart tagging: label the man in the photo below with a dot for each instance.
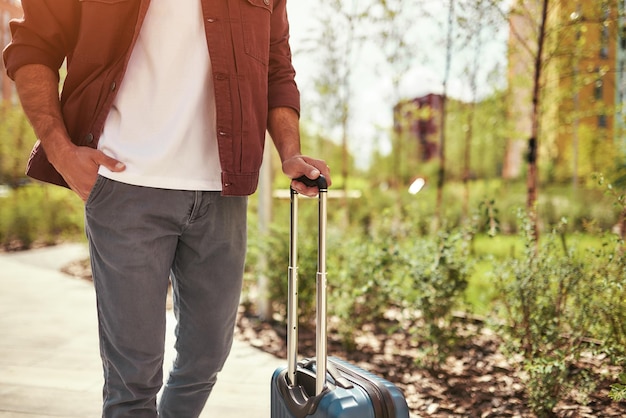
(160, 130)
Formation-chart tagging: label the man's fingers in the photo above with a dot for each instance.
(302, 165)
(110, 162)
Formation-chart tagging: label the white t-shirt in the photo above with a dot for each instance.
(162, 123)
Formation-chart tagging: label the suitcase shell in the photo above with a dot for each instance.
(325, 388)
(366, 395)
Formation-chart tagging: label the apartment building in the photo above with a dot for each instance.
(582, 90)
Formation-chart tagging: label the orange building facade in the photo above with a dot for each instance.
(582, 89)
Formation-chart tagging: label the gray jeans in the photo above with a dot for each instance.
(140, 237)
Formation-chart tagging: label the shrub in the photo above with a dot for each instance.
(38, 213)
(559, 306)
(607, 270)
(273, 247)
(435, 283)
(618, 390)
(365, 286)
(374, 268)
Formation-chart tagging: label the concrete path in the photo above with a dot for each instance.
(49, 360)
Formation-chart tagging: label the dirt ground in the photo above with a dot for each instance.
(479, 381)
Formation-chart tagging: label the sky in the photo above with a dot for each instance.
(372, 101)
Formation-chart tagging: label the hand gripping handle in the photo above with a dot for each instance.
(292, 304)
(320, 182)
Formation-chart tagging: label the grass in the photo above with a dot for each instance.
(481, 292)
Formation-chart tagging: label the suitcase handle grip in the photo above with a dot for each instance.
(320, 182)
(332, 371)
(292, 303)
(299, 399)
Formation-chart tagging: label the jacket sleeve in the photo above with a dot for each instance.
(283, 91)
(45, 34)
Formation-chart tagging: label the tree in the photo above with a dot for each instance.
(16, 140)
(394, 23)
(441, 173)
(336, 45)
(563, 61)
(533, 146)
(474, 37)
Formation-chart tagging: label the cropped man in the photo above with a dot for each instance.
(160, 129)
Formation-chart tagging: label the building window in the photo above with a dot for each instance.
(602, 121)
(598, 88)
(604, 35)
(604, 43)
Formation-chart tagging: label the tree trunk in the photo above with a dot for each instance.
(442, 133)
(533, 141)
(467, 169)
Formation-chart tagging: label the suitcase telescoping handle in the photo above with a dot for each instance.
(292, 303)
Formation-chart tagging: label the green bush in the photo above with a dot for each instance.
(561, 298)
(374, 267)
(435, 284)
(16, 141)
(273, 247)
(607, 270)
(38, 213)
(364, 287)
(555, 303)
(618, 390)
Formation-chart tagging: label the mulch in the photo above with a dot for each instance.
(477, 381)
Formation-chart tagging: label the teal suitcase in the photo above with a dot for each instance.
(325, 387)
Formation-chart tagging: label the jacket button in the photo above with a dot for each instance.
(267, 2)
(210, 20)
(113, 86)
(89, 138)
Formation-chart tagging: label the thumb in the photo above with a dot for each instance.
(110, 163)
(313, 173)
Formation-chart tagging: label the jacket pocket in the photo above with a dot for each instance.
(264, 4)
(256, 22)
(102, 1)
(106, 30)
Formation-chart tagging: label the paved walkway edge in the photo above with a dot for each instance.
(49, 359)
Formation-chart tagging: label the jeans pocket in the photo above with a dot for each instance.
(96, 189)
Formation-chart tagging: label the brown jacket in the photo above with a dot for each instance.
(250, 55)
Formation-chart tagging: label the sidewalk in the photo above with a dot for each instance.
(49, 359)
